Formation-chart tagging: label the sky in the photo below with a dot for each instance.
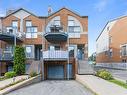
(99, 12)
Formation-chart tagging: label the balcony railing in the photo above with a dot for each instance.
(55, 54)
(6, 55)
(12, 31)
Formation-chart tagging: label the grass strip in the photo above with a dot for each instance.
(118, 82)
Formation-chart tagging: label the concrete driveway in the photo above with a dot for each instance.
(54, 87)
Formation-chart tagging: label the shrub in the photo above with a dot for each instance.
(104, 74)
(33, 74)
(10, 74)
(99, 71)
(19, 60)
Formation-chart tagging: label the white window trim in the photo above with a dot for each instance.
(33, 48)
(121, 49)
(27, 22)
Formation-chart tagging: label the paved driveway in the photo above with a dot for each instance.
(62, 87)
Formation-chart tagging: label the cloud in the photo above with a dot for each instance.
(101, 5)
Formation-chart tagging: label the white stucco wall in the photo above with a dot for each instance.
(102, 43)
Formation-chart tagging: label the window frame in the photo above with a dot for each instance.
(124, 52)
(31, 53)
(16, 22)
(28, 25)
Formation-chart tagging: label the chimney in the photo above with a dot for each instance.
(9, 11)
(49, 10)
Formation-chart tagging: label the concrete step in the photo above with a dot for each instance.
(34, 67)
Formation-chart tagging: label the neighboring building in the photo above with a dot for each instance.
(111, 45)
(63, 36)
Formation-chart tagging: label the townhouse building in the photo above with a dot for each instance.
(54, 44)
(111, 44)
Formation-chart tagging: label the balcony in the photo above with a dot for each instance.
(6, 55)
(56, 34)
(8, 35)
(55, 55)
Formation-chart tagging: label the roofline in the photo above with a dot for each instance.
(44, 16)
(102, 30)
(19, 10)
(68, 10)
(120, 17)
(84, 16)
(109, 22)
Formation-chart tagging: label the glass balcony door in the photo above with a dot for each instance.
(54, 47)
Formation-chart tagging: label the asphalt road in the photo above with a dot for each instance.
(61, 87)
(122, 74)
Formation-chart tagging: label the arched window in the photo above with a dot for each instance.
(74, 25)
(54, 21)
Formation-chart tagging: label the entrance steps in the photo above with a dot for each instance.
(34, 67)
(84, 67)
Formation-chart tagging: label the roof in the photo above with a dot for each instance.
(44, 16)
(68, 10)
(102, 30)
(19, 10)
(109, 22)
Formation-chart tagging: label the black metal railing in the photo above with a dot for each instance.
(12, 31)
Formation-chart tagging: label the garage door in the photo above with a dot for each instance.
(55, 72)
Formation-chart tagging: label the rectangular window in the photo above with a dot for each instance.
(110, 53)
(57, 22)
(110, 39)
(71, 23)
(9, 30)
(74, 29)
(29, 51)
(123, 50)
(31, 32)
(15, 24)
(31, 29)
(28, 23)
(54, 47)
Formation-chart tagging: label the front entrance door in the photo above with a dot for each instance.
(38, 53)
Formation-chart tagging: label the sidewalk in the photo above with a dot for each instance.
(100, 86)
(9, 81)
